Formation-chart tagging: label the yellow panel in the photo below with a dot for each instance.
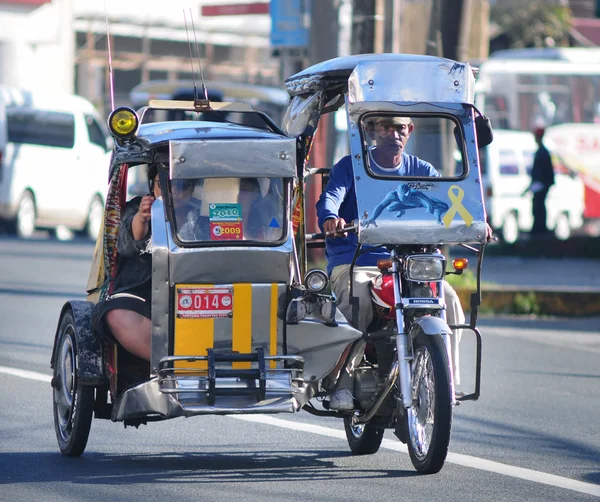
(273, 324)
(242, 322)
(193, 336)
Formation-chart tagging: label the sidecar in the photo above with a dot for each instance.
(228, 332)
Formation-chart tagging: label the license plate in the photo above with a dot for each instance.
(204, 302)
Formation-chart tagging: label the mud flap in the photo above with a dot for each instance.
(89, 344)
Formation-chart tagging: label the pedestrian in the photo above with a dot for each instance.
(542, 178)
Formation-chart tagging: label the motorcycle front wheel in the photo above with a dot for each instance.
(429, 419)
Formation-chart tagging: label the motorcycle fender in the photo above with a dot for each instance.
(89, 343)
(431, 326)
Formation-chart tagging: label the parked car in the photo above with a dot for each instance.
(506, 166)
(53, 153)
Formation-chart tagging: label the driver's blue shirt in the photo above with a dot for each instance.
(338, 200)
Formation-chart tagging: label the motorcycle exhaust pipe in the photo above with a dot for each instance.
(367, 415)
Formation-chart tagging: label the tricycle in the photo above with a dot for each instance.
(239, 323)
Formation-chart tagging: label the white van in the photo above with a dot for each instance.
(506, 166)
(54, 154)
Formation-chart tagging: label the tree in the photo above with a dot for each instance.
(533, 24)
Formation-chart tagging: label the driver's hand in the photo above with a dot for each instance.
(145, 209)
(489, 233)
(334, 227)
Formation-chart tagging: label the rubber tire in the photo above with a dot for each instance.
(511, 221)
(26, 215)
(365, 442)
(72, 421)
(96, 209)
(436, 454)
(562, 227)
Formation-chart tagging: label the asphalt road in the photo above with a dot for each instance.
(533, 435)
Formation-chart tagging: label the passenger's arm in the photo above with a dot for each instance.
(127, 244)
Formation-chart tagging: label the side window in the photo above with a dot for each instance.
(95, 132)
(38, 127)
(509, 165)
(528, 160)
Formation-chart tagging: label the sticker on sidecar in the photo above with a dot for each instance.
(225, 212)
(226, 230)
(197, 303)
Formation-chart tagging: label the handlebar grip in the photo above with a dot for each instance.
(323, 235)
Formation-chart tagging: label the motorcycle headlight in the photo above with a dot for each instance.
(425, 268)
(316, 280)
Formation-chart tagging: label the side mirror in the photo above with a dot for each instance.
(485, 135)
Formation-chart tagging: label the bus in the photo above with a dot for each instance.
(554, 88)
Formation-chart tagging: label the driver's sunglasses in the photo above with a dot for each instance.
(390, 126)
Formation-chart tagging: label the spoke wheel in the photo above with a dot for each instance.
(25, 224)
(94, 218)
(364, 439)
(73, 403)
(429, 419)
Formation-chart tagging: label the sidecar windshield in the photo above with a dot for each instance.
(412, 147)
(228, 210)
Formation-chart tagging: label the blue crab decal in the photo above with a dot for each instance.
(404, 198)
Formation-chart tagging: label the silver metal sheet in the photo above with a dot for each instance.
(224, 158)
(228, 264)
(160, 285)
(438, 81)
(454, 213)
(321, 346)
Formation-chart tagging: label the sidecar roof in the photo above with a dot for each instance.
(334, 73)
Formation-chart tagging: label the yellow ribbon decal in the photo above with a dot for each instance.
(456, 195)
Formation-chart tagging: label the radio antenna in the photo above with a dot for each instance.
(204, 90)
(199, 103)
(110, 68)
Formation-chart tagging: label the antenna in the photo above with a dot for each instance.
(199, 104)
(110, 68)
(198, 56)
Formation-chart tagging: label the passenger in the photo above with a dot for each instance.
(336, 207)
(126, 313)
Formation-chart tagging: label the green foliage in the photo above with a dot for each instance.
(526, 303)
(533, 24)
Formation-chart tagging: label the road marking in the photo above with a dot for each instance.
(31, 375)
(452, 458)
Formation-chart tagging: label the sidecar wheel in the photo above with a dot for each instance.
(363, 439)
(429, 420)
(73, 403)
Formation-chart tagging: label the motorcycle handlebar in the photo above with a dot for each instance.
(323, 235)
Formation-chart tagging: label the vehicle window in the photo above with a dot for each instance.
(228, 209)
(38, 127)
(484, 160)
(509, 164)
(528, 160)
(412, 147)
(95, 132)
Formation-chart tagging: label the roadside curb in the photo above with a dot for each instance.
(559, 301)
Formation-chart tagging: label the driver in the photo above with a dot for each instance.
(336, 206)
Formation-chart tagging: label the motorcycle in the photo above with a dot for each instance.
(239, 323)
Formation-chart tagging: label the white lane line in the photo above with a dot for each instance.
(453, 458)
(31, 375)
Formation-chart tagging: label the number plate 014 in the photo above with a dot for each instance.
(204, 302)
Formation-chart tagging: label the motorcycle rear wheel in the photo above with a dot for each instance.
(364, 439)
(429, 420)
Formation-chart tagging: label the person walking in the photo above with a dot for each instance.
(542, 178)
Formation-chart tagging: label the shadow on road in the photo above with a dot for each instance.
(202, 468)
